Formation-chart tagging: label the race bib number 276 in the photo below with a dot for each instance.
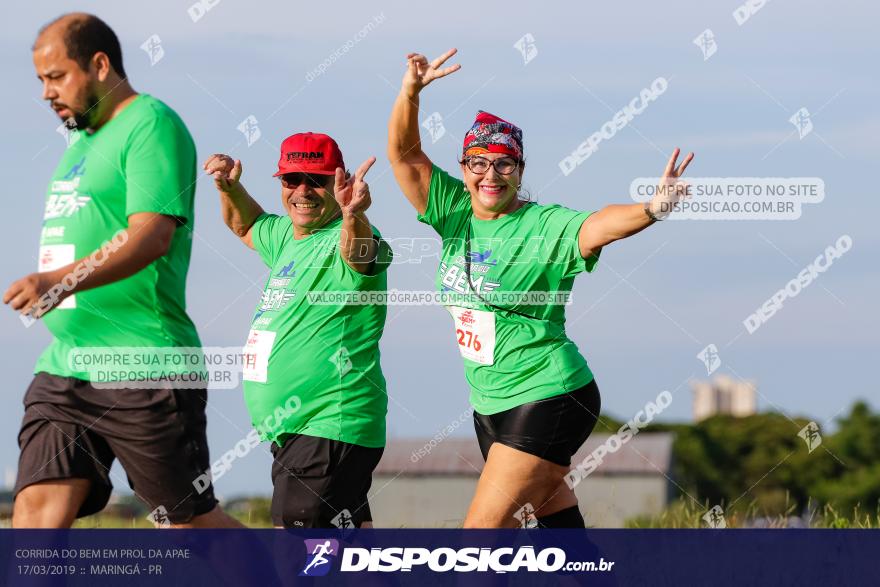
(475, 332)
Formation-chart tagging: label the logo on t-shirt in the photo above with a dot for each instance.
(275, 299)
(276, 296)
(65, 201)
(76, 170)
(482, 257)
(52, 232)
(454, 278)
(285, 271)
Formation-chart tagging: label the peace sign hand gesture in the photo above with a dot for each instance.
(353, 194)
(672, 189)
(420, 72)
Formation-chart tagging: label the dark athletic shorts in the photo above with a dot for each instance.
(73, 430)
(552, 429)
(321, 483)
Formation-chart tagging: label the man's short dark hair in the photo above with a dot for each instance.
(86, 34)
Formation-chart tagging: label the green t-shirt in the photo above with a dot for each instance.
(534, 249)
(313, 368)
(143, 160)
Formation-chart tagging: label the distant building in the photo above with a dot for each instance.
(423, 484)
(724, 395)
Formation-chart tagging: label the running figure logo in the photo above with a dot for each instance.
(715, 517)
(342, 360)
(706, 43)
(527, 48)
(802, 122)
(710, 358)
(434, 125)
(343, 520)
(810, 434)
(68, 130)
(153, 48)
(285, 271)
(526, 516)
(317, 559)
(249, 127)
(76, 170)
(159, 517)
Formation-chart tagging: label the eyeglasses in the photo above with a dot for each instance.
(502, 165)
(292, 180)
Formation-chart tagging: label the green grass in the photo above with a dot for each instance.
(682, 513)
(685, 513)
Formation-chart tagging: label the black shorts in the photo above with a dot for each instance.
(321, 483)
(71, 430)
(552, 429)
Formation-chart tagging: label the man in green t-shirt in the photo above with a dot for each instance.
(534, 396)
(312, 380)
(114, 253)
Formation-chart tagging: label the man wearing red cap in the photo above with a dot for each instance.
(313, 384)
(534, 396)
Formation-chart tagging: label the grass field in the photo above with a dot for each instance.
(687, 514)
(682, 513)
(679, 514)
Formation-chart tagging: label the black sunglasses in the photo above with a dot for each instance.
(292, 180)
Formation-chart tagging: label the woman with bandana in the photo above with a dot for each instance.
(506, 267)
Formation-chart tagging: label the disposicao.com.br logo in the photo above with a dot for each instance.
(443, 559)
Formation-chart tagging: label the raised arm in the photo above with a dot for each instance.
(618, 221)
(356, 243)
(410, 164)
(239, 209)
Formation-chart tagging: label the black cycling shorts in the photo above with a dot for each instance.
(552, 429)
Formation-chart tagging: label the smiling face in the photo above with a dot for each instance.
(309, 200)
(493, 193)
(72, 91)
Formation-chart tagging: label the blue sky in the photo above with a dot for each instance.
(655, 300)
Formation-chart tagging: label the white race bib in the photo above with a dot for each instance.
(475, 332)
(55, 256)
(256, 355)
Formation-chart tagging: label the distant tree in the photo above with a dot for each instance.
(754, 461)
(607, 424)
(854, 476)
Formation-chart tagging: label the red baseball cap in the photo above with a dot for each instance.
(309, 152)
